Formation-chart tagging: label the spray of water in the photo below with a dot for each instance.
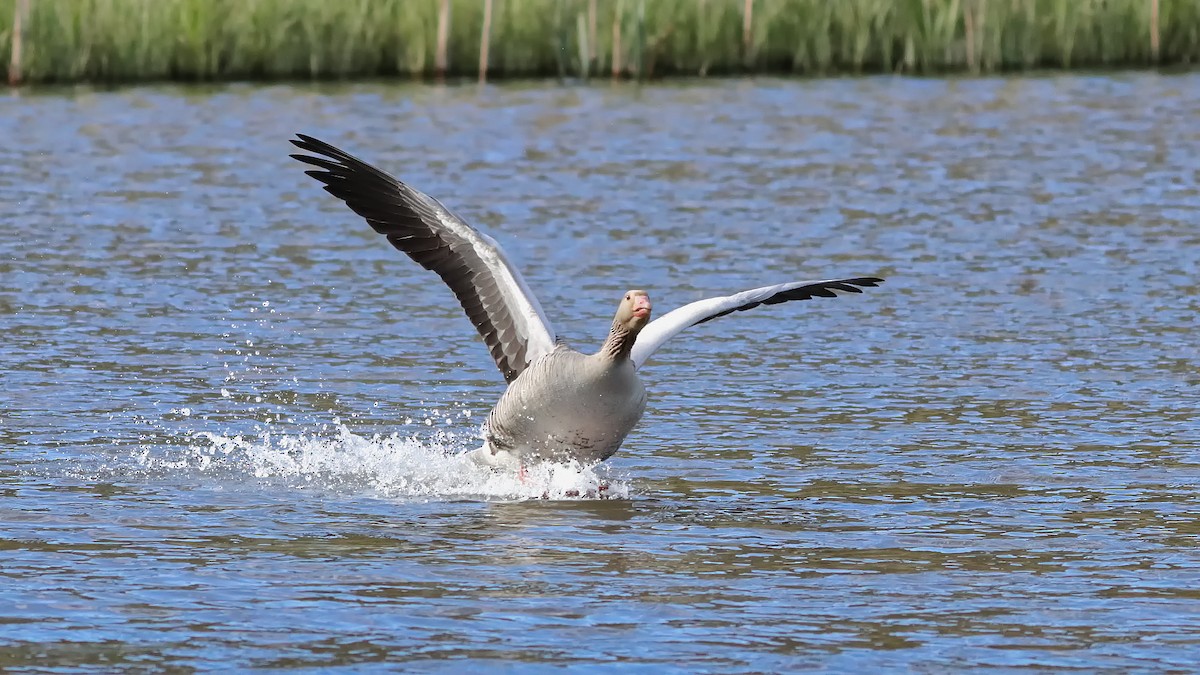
(389, 467)
(427, 465)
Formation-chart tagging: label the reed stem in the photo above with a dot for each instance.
(441, 62)
(1154, 31)
(747, 32)
(582, 37)
(618, 15)
(561, 40)
(592, 18)
(641, 39)
(20, 12)
(485, 40)
(969, 37)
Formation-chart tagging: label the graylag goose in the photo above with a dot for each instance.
(560, 404)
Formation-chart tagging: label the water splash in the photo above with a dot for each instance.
(389, 467)
(298, 449)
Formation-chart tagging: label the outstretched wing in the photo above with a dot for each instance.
(670, 324)
(491, 291)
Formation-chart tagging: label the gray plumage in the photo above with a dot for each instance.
(566, 406)
(488, 287)
(560, 404)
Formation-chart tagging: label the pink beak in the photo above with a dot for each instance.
(641, 306)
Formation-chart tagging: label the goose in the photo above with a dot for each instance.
(561, 405)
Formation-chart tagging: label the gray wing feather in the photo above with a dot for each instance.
(489, 288)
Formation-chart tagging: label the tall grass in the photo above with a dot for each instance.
(122, 40)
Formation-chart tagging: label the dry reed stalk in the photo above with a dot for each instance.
(485, 40)
(440, 62)
(1154, 30)
(20, 11)
(591, 18)
(747, 30)
(561, 36)
(968, 8)
(581, 38)
(981, 32)
(641, 39)
(616, 40)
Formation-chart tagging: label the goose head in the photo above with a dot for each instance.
(634, 311)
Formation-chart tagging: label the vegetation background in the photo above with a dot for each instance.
(137, 40)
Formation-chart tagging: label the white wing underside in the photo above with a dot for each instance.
(658, 331)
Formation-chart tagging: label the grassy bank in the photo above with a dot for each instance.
(124, 40)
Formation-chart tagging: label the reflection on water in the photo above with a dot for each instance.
(229, 415)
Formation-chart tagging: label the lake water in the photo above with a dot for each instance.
(229, 412)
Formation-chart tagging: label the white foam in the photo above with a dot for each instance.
(391, 467)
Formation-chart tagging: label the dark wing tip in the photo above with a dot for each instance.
(310, 143)
(823, 289)
(319, 147)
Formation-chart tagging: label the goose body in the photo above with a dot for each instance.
(566, 406)
(560, 404)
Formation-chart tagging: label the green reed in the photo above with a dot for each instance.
(124, 40)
